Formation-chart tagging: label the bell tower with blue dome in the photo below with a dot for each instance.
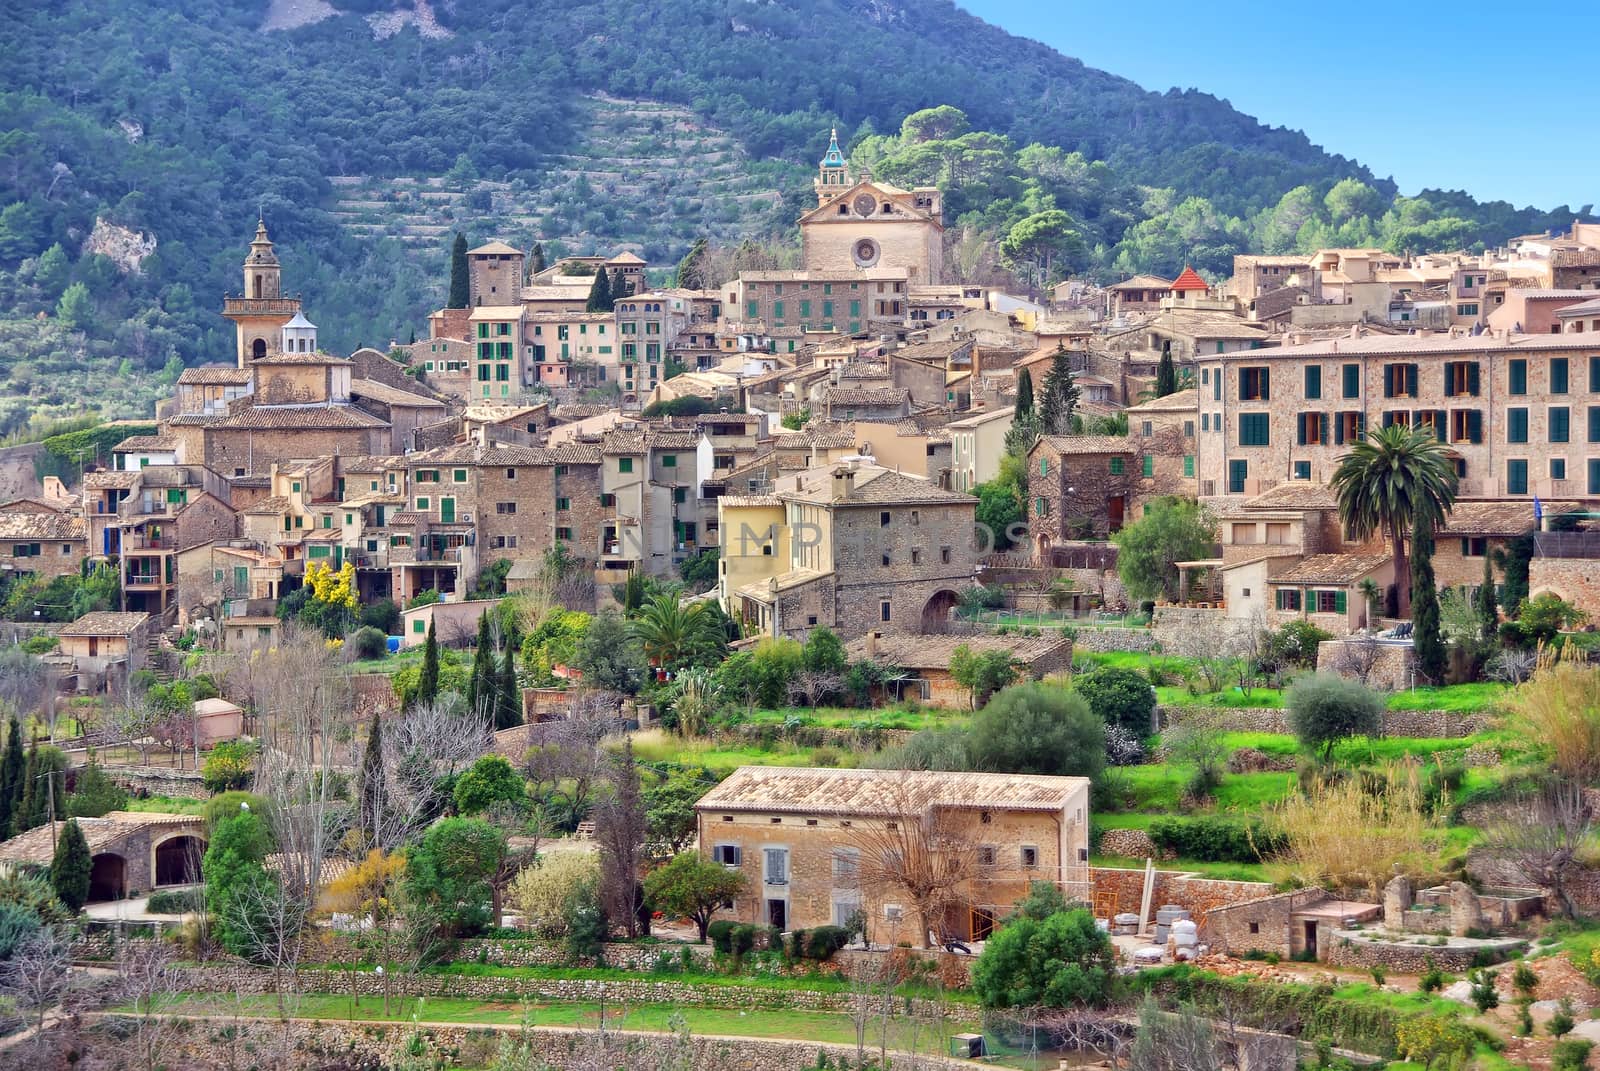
(833, 178)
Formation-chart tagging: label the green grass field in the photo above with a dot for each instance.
(655, 746)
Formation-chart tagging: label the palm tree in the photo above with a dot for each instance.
(673, 633)
(1392, 477)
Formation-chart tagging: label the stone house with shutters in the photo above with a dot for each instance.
(798, 835)
(923, 662)
(1079, 487)
(1325, 589)
(1520, 413)
(42, 541)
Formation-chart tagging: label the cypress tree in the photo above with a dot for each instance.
(70, 867)
(11, 774)
(26, 815)
(536, 260)
(1488, 615)
(370, 791)
(1432, 658)
(600, 293)
(1166, 376)
(481, 685)
(1024, 392)
(508, 694)
(691, 269)
(459, 290)
(428, 683)
(1060, 396)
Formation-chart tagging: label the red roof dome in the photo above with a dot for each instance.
(1189, 280)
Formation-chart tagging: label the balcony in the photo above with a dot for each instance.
(133, 542)
(425, 555)
(143, 582)
(243, 306)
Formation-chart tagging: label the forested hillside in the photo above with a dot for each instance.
(365, 135)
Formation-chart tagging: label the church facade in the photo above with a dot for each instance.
(863, 225)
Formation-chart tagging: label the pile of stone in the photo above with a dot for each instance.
(1125, 925)
(1165, 917)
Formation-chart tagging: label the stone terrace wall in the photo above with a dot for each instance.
(1114, 639)
(159, 781)
(1117, 890)
(1391, 668)
(1429, 723)
(1352, 949)
(549, 1046)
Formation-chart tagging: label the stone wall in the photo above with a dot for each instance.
(1427, 723)
(159, 781)
(476, 1046)
(1574, 579)
(1117, 890)
(1114, 639)
(1391, 663)
(1361, 949)
(1263, 924)
(1169, 623)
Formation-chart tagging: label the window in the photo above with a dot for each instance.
(1116, 466)
(1517, 476)
(1558, 375)
(1188, 466)
(883, 610)
(422, 505)
(1289, 599)
(1352, 381)
(1149, 466)
(1044, 466)
(883, 519)
(505, 508)
(1559, 421)
(1311, 429)
(669, 461)
(1558, 468)
(460, 476)
(1188, 429)
(1030, 856)
(419, 626)
(776, 871)
(1466, 426)
(624, 464)
(1461, 377)
(1255, 429)
(1399, 381)
(1302, 470)
(1517, 374)
(1469, 308)
(1474, 547)
(562, 504)
(944, 555)
(1594, 374)
(1517, 425)
(1349, 427)
(1594, 476)
(564, 534)
(727, 854)
(1041, 508)
(986, 855)
(1205, 422)
(1238, 472)
(846, 866)
(1313, 381)
(1330, 602)
(1255, 384)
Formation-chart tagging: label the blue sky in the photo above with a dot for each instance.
(1465, 96)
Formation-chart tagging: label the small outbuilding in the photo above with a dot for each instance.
(134, 852)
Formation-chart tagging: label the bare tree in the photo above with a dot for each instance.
(1357, 657)
(917, 851)
(146, 976)
(1512, 666)
(1537, 841)
(621, 829)
(39, 975)
(1173, 1041)
(1212, 645)
(814, 687)
(1084, 1030)
(423, 746)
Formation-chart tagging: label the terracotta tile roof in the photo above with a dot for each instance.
(751, 501)
(884, 793)
(934, 652)
(1182, 401)
(300, 358)
(1496, 518)
(868, 396)
(382, 392)
(1189, 279)
(194, 420)
(300, 418)
(370, 463)
(864, 370)
(831, 440)
(1296, 494)
(495, 246)
(1087, 444)
(1143, 282)
(669, 439)
(275, 504)
(1331, 569)
(105, 623)
(110, 478)
(145, 442)
(215, 375)
(43, 525)
(873, 486)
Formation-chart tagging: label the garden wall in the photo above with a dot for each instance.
(1116, 890)
(476, 1046)
(1140, 640)
(1428, 723)
(1352, 948)
(159, 781)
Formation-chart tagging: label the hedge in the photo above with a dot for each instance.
(1215, 840)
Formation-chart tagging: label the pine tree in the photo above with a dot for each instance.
(1060, 396)
(428, 683)
(1024, 392)
(1432, 658)
(1166, 376)
(508, 694)
(691, 269)
(600, 293)
(536, 259)
(481, 685)
(460, 292)
(370, 791)
(71, 866)
(1488, 614)
(11, 774)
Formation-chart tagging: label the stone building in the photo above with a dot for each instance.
(1326, 590)
(102, 649)
(1079, 487)
(42, 541)
(494, 274)
(924, 662)
(133, 853)
(261, 310)
(852, 546)
(977, 443)
(799, 837)
(865, 224)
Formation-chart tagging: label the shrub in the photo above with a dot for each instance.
(177, 902)
(1484, 995)
(1570, 1054)
(1119, 697)
(1524, 980)
(542, 893)
(1325, 709)
(1561, 1023)
(1215, 840)
(368, 642)
(824, 941)
(1058, 962)
(1038, 729)
(720, 933)
(17, 925)
(230, 766)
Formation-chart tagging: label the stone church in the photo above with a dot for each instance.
(861, 224)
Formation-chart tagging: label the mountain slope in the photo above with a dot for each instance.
(364, 133)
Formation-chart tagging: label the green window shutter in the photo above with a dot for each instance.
(1039, 507)
(1594, 476)
(1594, 423)
(418, 627)
(1411, 380)
(1188, 465)
(1149, 465)
(1473, 384)
(1475, 426)
(1560, 424)
(1440, 417)
(1517, 477)
(1238, 473)
(1517, 372)
(1450, 379)
(1338, 602)
(1388, 381)
(1558, 375)
(1313, 381)
(1044, 462)
(1116, 466)
(1352, 381)
(1516, 425)
(1594, 374)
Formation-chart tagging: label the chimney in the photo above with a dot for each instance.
(872, 645)
(844, 481)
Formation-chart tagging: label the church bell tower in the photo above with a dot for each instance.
(261, 312)
(833, 178)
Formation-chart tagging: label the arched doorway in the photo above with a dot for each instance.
(936, 615)
(258, 349)
(178, 860)
(1044, 550)
(108, 877)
